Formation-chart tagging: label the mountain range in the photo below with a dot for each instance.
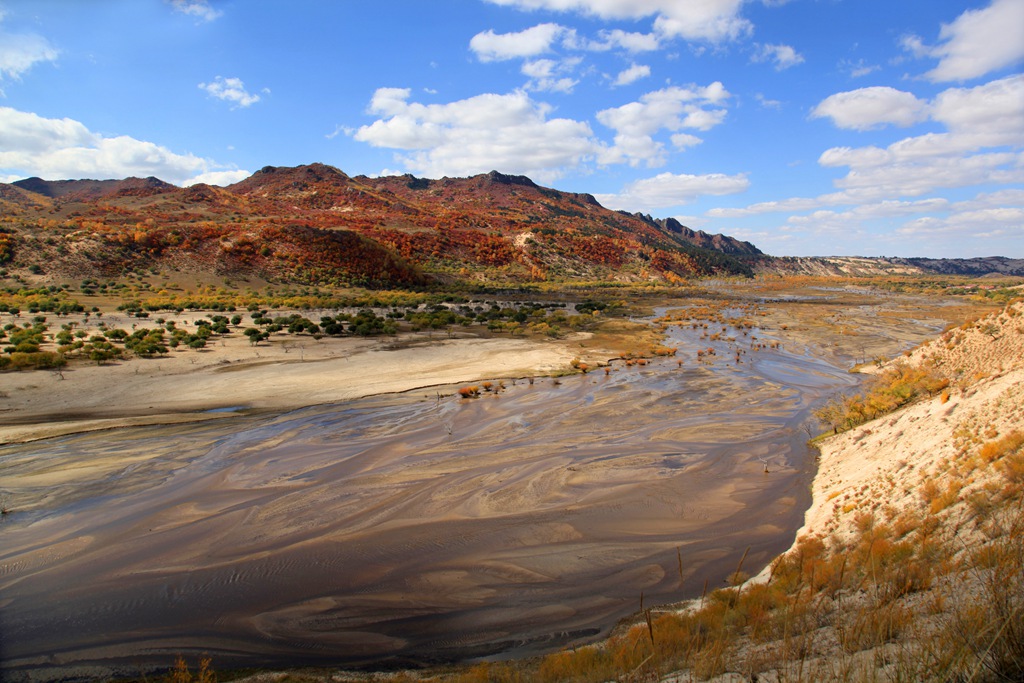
(314, 224)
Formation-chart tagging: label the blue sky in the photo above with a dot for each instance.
(809, 127)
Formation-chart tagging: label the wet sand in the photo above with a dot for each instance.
(403, 529)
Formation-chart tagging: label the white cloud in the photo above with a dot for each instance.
(711, 20)
(869, 108)
(998, 222)
(632, 74)
(31, 145)
(537, 40)
(783, 56)
(767, 103)
(684, 140)
(914, 45)
(221, 178)
(704, 20)
(877, 210)
(19, 52)
(200, 9)
(631, 42)
(549, 75)
(230, 90)
(993, 111)
(992, 200)
(997, 217)
(858, 69)
(887, 188)
(915, 177)
(24, 132)
(540, 68)
(985, 117)
(777, 206)
(671, 109)
(979, 42)
(668, 189)
(511, 133)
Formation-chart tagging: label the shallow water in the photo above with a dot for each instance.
(405, 528)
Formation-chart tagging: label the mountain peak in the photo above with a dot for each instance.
(504, 179)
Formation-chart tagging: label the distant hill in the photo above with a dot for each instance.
(879, 265)
(722, 243)
(316, 224)
(93, 189)
(991, 265)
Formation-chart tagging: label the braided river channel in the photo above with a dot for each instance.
(407, 529)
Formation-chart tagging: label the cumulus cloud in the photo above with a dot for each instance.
(990, 114)
(557, 74)
(783, 56)
(511, 133)
(230, 90)
(977, 42)
(672, 109)
(700, 20)
(537, 40)
(978, 119)
(984, 131)
(32, 145)
(669, 189)
(200, 9)
(632, 74)
(869, 108)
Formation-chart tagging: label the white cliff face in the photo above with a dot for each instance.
(909, 460)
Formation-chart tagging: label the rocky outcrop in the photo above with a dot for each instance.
(699, 238)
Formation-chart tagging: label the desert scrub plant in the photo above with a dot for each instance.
(894, 388)
(986, 623)
(1007, 445)
(181, 674)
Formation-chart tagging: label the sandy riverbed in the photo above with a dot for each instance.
(231, 374)
(404, 527)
